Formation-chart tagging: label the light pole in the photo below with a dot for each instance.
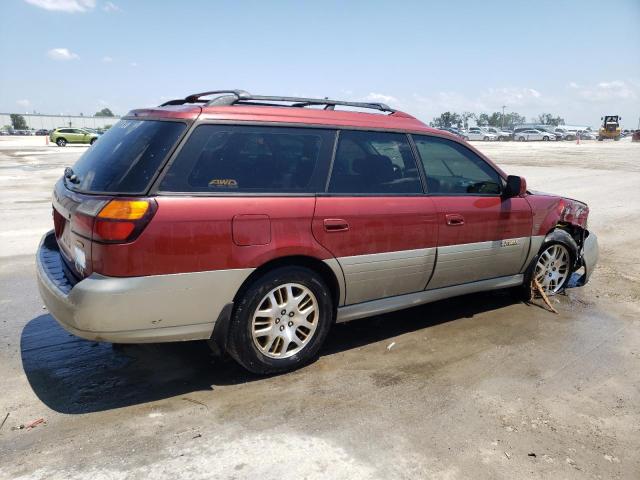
(503, 107)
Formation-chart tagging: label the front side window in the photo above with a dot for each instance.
(232, 158)
(374, 163)
(453, 169)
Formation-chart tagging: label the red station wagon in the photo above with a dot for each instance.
(257, 222)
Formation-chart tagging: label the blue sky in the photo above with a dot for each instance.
(570, 58)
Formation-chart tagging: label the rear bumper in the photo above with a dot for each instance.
(158, 308)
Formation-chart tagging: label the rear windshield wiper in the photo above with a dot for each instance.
(70, 175)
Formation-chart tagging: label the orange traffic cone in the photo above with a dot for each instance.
(578, 139)
(47, 137)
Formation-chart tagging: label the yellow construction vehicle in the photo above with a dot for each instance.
(610, 127)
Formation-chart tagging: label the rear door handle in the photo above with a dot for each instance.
(454, 219)
(335, 225)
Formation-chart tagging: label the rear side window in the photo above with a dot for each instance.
(127, 157)
(374, 163)
(453, 169)
(232, 158)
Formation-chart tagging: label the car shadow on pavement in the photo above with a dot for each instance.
(71, 375)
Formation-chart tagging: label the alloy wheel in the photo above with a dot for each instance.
(285, 321)
(552, 269)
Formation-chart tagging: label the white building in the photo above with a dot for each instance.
(49, 122)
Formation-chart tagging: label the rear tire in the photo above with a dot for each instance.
(545, 139)
(521, 139)
(93, 140)
(61, 142)
(485, 139)
(265, 340)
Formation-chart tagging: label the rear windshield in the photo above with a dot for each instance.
(127, 157)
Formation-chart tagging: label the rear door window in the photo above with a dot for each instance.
(374, 163)
(251, 159)
(453, 169)
(127, 157)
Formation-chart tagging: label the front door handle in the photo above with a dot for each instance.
(454, 219)
(335, 225)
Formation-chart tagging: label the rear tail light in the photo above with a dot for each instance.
(122, 220)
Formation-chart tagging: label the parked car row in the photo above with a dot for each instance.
(522, 134)
(45, 132)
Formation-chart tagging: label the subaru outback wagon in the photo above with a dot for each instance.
(257, 222)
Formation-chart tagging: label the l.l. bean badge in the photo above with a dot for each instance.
(509, 243)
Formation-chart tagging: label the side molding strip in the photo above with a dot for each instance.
(400, 302)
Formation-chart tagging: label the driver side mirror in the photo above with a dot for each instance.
(516, 186)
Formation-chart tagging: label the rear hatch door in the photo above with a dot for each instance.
(124, 162)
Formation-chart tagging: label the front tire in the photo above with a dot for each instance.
(521, 139)
(280, 321)
(551, 255)
(61, 142)
(93, 140)
(545, 139)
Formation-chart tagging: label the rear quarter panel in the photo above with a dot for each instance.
(191, 234)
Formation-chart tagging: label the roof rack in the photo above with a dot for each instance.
(241, 97)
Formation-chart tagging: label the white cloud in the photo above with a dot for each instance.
(69, 6)
(608, 90)
(23, 103)
(380, 97)
(111, 7)
(107, 59)
(102, 103)
(523, 99)
(512, 97)
(134, 64)
(62, 54)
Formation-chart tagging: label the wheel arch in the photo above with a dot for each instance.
(219, 336)
(560, 234)
(321, 267)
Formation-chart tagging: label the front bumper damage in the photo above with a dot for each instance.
(587, 261)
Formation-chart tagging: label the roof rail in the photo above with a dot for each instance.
(197, 97)
(241, 97)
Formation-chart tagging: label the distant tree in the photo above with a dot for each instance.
(105, 112)
(495, 119)
(482, 120)
(548, 119)
(447, 120)
(18, 122)
(107, 126)
(466, 116)
(512, 119)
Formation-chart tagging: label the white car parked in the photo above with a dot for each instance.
(531, 134)
(475, 133)
(502, 135)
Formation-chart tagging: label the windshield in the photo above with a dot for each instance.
(126, 158)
